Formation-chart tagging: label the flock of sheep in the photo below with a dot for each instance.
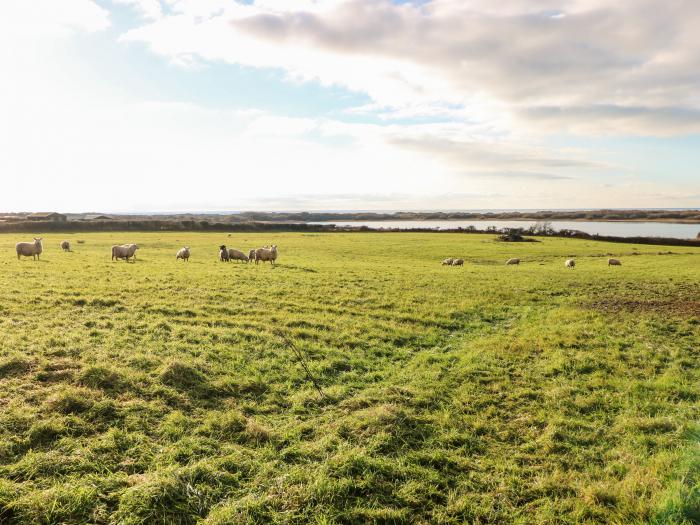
(266, 253)
(128, 251)
(569, 263)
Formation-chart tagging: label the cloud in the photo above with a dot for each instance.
(500, 159)
(615, 120)
(483, 61)
(43, 19)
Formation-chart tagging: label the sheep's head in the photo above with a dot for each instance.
(222, 247)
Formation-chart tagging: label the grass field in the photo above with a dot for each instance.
(165, 392)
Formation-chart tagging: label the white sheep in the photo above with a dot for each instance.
(65, 246)
(30, 248)
(266, 254)
(447, 262)
(183, 253)
(513, 261)
(458, 262)
(614, 262)
(570, 263)
(124, 251)
(237, 255)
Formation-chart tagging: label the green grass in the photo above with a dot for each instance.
(170, 392)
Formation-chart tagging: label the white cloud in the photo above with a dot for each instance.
(48, 18)
(490, 60)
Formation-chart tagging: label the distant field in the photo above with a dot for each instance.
(170, 392)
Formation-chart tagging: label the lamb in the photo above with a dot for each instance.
(237, 255)
(458, 262)
(124, 251)
(614, 262)
(183, 253)
(223, 253)
(30, 248)
(570, 263)
(513, 261)
(266, 254)
(65, 246)
(447, 262)
(251, 255)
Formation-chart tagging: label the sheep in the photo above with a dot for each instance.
(183, 253)
(447, 262)
(223, 253)
(266, 254)
(570, 263)
(30, 248)
(237, 255)
(133, 249)
(251, 255)
(513, 261)
(124, 251)
(458, 262)
(65, 246)
(614, 262)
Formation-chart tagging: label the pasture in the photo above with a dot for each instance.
(172, 392)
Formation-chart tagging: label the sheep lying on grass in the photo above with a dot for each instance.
(513, 261)
(28, 249)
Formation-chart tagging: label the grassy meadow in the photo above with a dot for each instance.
(170, 392)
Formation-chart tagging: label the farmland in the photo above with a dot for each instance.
(358, 381)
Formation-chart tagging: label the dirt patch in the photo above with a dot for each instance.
(681, 307)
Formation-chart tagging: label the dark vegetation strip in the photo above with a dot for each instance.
(38, 227)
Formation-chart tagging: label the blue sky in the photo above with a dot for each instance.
(122, 105)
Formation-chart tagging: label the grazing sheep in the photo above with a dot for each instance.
(237, 255)
(124, 251)
(614, 262)
(30, 248)
(513, 261)
(251, 255)
(447, 262)
(65, 246)
(458, 262)
(223, 253)
(183, 253)
(570, 263)
(132, 248)
(266, 254)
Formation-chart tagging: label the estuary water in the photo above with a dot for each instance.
(616, 229)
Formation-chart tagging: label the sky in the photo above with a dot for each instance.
(224, 105)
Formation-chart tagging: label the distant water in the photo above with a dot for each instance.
(615, 229)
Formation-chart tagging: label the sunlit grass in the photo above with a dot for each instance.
(171, 392)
